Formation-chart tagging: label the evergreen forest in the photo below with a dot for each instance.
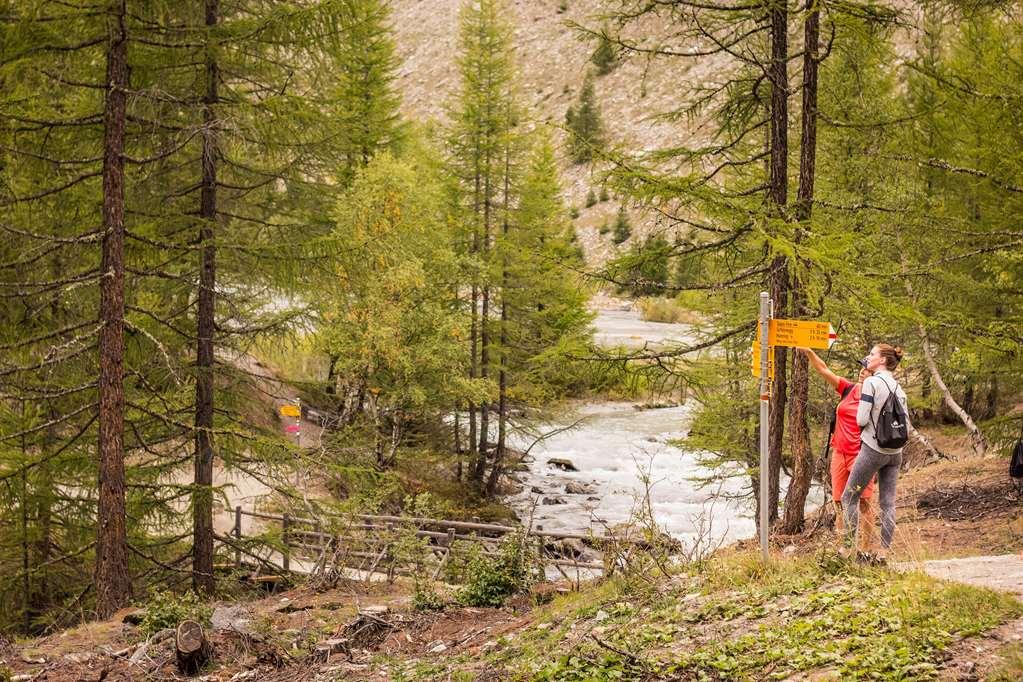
(210, 208)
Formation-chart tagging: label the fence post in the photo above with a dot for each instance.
(390, 558)
(237, 536)
(539, 552)
(285, 534)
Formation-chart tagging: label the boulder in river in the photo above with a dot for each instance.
(562, 463)
(552, 500)
(577, 488)
(536, 490)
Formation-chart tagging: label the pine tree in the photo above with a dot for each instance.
(622, 227)
(586, 131)
(365, 96)
(605, 56)
(542, 301)
(479, 138)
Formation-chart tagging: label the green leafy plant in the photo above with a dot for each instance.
(167, 610)
(490, 579)
(591, 198)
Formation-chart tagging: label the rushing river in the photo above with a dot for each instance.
(618, 449)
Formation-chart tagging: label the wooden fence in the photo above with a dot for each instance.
(372, 545)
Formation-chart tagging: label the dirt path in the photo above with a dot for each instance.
(1002, 572)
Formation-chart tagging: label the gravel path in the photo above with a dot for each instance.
(1003, 572)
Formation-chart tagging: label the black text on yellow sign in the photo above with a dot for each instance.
(801, 333)
(756, 360)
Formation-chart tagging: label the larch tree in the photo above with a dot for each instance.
(481, 128)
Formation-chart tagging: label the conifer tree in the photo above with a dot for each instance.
(479, 136)
(585, 128)
(365, 96)
(622, 227)
(605, 56)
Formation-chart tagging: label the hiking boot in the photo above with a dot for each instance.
(870, 559)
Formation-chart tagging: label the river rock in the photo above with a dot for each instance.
(562, 463)
(536, 490)
(228, 618)
(593, 498)
(573, 548)
(577, 488)
(552, 500)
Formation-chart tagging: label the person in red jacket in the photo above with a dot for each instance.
(845, 445)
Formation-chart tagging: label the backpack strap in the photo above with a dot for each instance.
(891, 394)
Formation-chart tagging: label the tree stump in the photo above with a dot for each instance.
(193, 650)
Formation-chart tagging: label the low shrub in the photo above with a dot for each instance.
(167, 610)
(491, 579)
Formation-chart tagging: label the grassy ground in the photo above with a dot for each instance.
(729, 618)
(732, 618)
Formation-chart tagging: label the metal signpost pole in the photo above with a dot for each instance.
(765, 400)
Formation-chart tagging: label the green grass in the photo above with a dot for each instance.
(657, 309)
(737, 619)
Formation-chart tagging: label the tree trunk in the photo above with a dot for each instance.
(991, 401)
(779, 394)
(191, 647)
(484, 318)
(331, 388)
(202, 502)
(977, 439)
(502, 372)
(113, 584)
(474, 317)
(778, 196)
(802, 468)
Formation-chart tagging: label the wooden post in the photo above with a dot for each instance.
(285, 535)
(237, 532)
(320, 541)
(390, 557)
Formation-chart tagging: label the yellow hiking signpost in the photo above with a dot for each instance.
(791, 333)
(803, 333)
(291, 411)
(755, 360)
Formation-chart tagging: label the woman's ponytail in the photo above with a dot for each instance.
(892, 355)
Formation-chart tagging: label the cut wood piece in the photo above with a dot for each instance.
(193, 650)
(266, 579)
(333, 646)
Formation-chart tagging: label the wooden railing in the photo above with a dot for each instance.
(367, 543)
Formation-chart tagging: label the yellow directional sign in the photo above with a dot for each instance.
(290, 411)
(804, 333)
(755, 360)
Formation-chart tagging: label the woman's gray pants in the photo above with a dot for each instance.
(868, 463)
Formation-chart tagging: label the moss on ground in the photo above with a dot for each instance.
(734, 618)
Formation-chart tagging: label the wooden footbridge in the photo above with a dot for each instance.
(378, 546)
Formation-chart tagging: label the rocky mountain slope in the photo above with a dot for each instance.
(552, 60)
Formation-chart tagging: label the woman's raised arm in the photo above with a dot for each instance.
(820, 367)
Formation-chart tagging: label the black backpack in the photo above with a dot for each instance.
(1016, 463)
(892, 427)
